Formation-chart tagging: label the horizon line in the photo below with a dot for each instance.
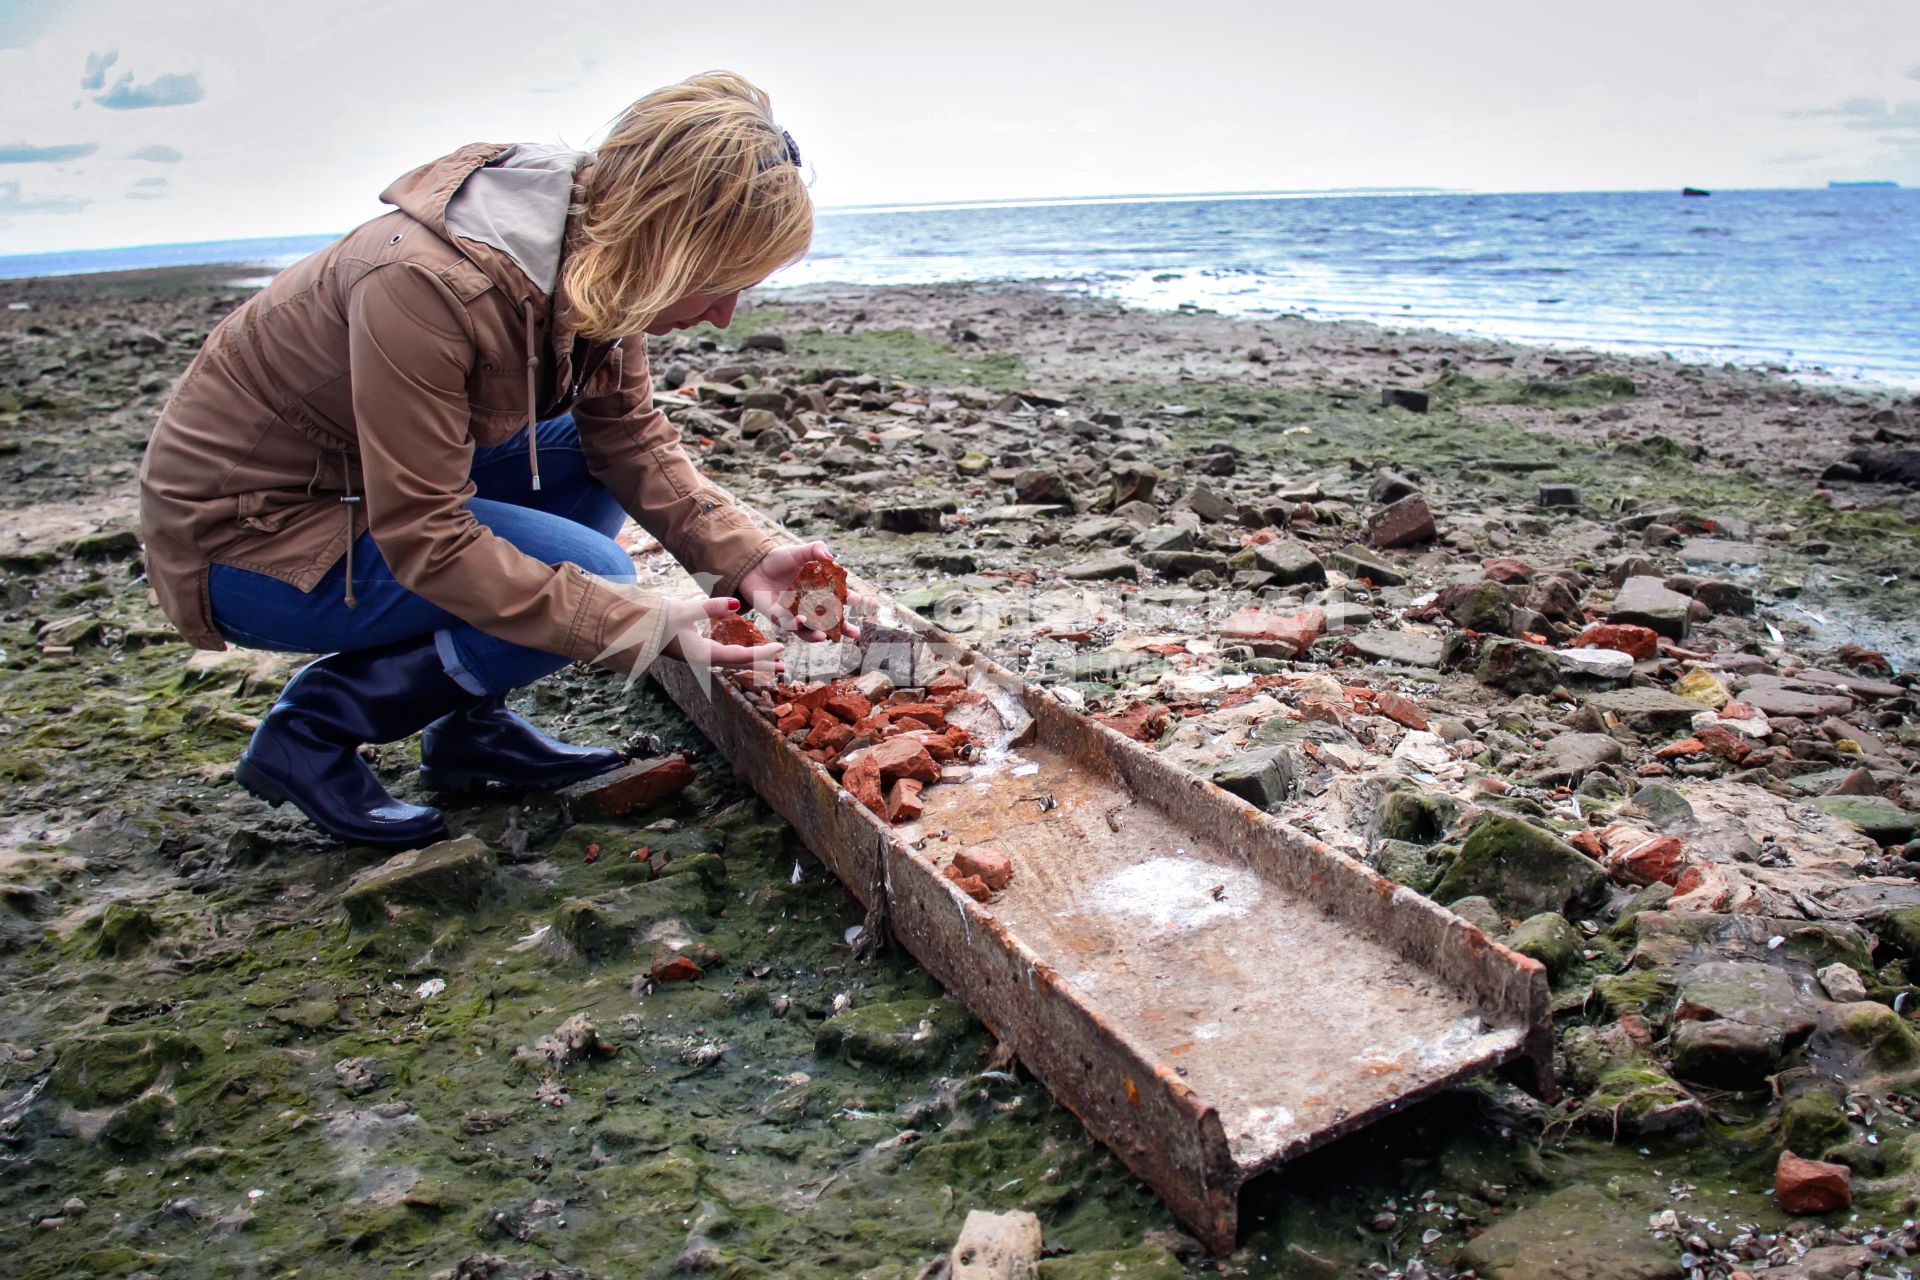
(1022, 202)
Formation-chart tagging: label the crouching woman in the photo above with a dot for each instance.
(410, 453)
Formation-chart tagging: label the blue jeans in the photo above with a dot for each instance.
(571, 518)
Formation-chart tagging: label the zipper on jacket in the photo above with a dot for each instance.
(349, 500)
(533, 395)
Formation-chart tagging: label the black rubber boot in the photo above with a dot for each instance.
(306, 751)
(488, 743)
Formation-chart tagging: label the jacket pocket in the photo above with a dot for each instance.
(263, 511)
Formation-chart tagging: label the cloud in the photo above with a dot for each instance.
(97, 63)
(27, 153)
(13, 200)
(159, 153)
(168, 90)
(1913, 73)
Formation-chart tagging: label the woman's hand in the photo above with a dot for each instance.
(765, 584)
(686, 642)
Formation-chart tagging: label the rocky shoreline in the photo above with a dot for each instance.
(1613, 656)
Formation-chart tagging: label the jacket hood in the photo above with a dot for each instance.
(512, 198)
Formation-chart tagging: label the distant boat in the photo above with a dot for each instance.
(1879, 183)
(1694, 191)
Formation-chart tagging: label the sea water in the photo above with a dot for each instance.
(1816, 282)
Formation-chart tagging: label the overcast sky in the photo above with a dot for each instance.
(150, 121)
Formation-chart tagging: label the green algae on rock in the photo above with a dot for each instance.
(1524, 869)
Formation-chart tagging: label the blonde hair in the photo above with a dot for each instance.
(694, 191)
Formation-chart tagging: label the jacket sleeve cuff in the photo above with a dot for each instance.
(728, 584)
(630, 630)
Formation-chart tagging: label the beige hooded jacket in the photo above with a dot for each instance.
(351, 392)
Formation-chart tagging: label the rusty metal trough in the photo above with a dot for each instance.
(1210, 991)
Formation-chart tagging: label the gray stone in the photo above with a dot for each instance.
(1842, 983)
(1479, 911)
(1559, 495)
(1576, 1234)
(1597, 664)
(1647, 710)
(1290, 562)
(1514, 666)
(1209, 505)
(1725, 597)
(1568, 755)
(1262, 778)
(1720, 551)
(1746, 991)
(1357, 561)
(1165, 537)
(1404, 648)
(1725, 1054)
(1666, 807)
(1099, 529)
(1113, 565)
(1646, 602)
(1779, 697)
(919, 517)
(1184, 564)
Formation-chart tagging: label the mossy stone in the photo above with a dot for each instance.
(1576, 1234)
(1726, 1054)
(1524, 869)
(1548, 938)
(1144, 1263)
(904, 1034)
(454, 875)
(1885, 1037)
(1813, 1123)
(116, 1066)
(124, 929)
(1651, 898)
(140, 1124)
(1648, 993)
(612, 924)
(1405, 863)
(1417, 816)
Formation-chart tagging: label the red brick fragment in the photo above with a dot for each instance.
(973, 886)
(674, 967)
(903, 801)
(734, 629)
(1811, 1186)
(1641, 642)
(1507, 569)
(1652, 859)
(1143, 721)
(992, 867)
(632, 786)
(1399, 709)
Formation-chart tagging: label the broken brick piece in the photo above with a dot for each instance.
(904, 757)
(1399, 709)
(1641, 643)
(992, 867)
(734, 629)
(849, 706)
(973, 886)
(673, 967)
(1143, 721)
(903, 800)
(1811, 1186)
(818, 600)
(862, 779)
(632, 786)
(1654, 859)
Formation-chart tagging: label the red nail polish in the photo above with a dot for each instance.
(733, 604)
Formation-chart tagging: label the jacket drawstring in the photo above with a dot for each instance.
(349, 500)
(533, 396)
